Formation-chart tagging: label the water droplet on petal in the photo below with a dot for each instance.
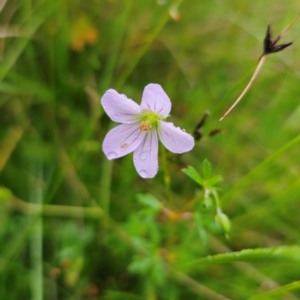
(111, 155)
(143, 155)
(143, 173)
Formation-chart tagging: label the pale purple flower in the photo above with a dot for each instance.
(140, 127)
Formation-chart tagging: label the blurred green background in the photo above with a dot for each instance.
(74, 225)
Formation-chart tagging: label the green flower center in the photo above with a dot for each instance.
(149, 120)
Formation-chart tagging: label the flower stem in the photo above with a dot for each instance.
(217, 200)
(167, 179)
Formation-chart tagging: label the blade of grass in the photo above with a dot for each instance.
(251, 271)
(243, 181)
(286, 254)
(11, 139)
(278, 291)
(36, 242)
(149, 40)
(31, 24)
(198, 288)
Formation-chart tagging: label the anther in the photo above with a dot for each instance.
(145, 126)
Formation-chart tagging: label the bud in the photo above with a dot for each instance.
(207, 202)
(223, 221)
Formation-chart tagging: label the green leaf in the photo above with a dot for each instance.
(192, 173)
(206, 169)
(150, 201)
(214, 180)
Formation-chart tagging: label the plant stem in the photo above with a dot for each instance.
(36, 246)
(58, 210)
(167, 179)
(260, 64)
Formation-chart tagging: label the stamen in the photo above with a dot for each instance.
(145, 126)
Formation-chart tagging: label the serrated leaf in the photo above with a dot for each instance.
(285, 254)
(192, 173)
(206, 169)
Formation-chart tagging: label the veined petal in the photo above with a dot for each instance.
(155, 99)
(173, 138)
(122, 140)
(145, 157)
(119, 108)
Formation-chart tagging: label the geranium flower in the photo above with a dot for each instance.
(141, 126)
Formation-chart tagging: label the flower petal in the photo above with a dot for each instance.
(155, 99)
(122, 140)
(119, 108)
(145, 157)
(175, 139)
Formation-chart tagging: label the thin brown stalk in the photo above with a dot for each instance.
(269, 47)
(260, 64)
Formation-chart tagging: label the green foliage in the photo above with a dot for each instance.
(206, 169)
(192, 173)
(209, 184)
(98, 230)
(208, 181)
